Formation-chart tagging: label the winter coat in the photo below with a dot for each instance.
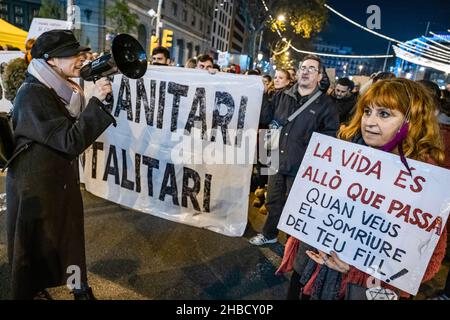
(346, 107)
(45, 227)
(321, 116)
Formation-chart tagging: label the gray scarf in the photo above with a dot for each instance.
(69, 92)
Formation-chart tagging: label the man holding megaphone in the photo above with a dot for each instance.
(52, 125)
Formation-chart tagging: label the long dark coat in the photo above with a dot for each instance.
(45, 224)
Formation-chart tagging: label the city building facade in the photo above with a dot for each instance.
(344, 67)
(190, 21)
(222, 22)
(19, 13)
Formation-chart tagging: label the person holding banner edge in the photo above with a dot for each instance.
(320, 115)
(395, 116)
(52, 126)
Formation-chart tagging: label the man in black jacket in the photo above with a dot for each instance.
(321, 116)
(344, 99)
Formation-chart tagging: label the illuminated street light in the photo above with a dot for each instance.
(281, 18)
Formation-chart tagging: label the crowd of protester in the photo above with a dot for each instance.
(345, 110)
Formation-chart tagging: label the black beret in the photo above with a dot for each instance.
(56, 44)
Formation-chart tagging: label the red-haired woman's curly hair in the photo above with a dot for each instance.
(424, 139)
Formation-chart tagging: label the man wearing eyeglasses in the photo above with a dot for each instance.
(320, 116)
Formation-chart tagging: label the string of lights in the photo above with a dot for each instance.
(430, 55)
(437, 43)
(342, 55)
(271, 17)
(318, 53)
(439, 36)
(420, 60)
(421, 51)
(424, 51)
(443, 52)
(409, 47)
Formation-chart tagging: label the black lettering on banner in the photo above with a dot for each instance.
(207, 193)
(172, 189)
(141, 96)
(161, 104)
(241, 121)
(199, 103)
(95, 146)
(127, 184)
(137, 171)
(114, 169)
(191, 192)
(222, 98)
(151, 111)
(124, 104)
(151, 163)
(178, 91)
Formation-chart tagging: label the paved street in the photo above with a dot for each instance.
(132, 255)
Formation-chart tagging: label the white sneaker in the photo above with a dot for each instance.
(260, 240)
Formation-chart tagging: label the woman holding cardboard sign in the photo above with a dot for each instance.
(395, 116)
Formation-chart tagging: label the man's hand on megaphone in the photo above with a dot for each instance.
(102, 88)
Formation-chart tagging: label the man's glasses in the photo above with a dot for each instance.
(309, 69)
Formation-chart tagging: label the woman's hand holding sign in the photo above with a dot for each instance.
(331, 261)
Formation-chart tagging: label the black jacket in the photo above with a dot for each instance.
(346, 107)
(321, 116)
(45, 224)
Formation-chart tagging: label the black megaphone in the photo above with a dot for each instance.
(128, 57)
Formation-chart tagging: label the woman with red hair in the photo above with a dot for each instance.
(396, 116)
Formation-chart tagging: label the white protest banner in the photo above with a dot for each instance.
(5, 57)
(364, 205)
(41, 25)
(180, 150)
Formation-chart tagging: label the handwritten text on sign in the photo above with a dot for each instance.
(363, 204)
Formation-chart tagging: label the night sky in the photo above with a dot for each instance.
(400, 19)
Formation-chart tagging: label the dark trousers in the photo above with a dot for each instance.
(277, 191)
(294, 287)
(447, 285)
